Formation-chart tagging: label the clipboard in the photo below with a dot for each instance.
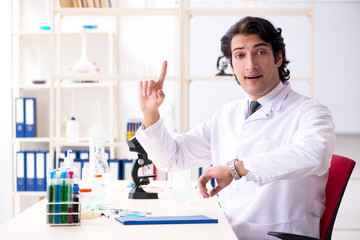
(193, 219)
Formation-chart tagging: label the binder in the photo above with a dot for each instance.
(61, 159)
(30, 171)
(85, 164)
(50, 163)
(20, 171)
(166, 220)
(30, 117)
(126, 166)
(84, 154)
(114, 165)
(19, 117)
(40, 183)
(73, 154)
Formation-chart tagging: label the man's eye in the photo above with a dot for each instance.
(240, 55)
(261, 52)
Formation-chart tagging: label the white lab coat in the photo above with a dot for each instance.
(287, 145)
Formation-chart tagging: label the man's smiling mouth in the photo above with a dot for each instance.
(253, 77)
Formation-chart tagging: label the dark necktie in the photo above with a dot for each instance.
(254, 105)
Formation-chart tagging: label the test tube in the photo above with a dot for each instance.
(64, 196)
(70, 198)
(50, 197)
(76, 201)
(57, 196)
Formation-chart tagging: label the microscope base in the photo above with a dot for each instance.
(138, 193)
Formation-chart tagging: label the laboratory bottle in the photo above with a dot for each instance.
(99, 173)
(72, 130)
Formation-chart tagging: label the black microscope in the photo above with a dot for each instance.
(137, 192)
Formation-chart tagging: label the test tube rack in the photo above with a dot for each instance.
(56, 217)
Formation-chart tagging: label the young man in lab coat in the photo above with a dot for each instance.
(271, 166)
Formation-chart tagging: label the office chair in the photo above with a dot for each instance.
(339, 175)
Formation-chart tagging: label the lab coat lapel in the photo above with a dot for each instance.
(267, 111)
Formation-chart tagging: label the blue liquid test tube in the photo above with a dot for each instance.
(64, 196)
(57, 197)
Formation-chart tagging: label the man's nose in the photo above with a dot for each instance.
(251, 63)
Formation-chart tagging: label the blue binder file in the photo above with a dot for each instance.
(20, 171)
(166, 220)
(40, 160)
(114, 165)
(83, 154)
(30, 117)
(126, 166)
(30, 171)
(19, 117)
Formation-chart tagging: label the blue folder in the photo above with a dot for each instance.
(30, 171)
(30, 117)
(114, 165)
(40, 175)
(21, 171)
(166, 220)
(20, 117)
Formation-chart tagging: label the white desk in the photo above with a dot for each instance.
(31, 224)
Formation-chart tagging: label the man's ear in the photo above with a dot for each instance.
(279, 59)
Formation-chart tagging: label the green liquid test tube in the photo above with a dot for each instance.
(50, 197)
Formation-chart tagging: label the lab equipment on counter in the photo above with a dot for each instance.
(137, 192)
(63, 205)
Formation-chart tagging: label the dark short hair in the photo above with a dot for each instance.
(266, 31)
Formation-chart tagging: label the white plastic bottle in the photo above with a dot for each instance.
(99, 173)
(72, 130)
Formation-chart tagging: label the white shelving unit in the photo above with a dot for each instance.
(183, 11)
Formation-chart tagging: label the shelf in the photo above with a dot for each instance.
(250, 12)
(95, 84)
(32, 140)
(192, 12)
(30, 194)
(48, 33)
(108, 12)
(110, 78)
(31, 86)
(85, 143)
(32, 34)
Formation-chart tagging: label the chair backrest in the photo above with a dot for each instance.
(339, 175)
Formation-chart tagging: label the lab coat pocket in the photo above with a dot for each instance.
(259, 231)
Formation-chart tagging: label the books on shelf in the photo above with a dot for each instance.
(85, 3)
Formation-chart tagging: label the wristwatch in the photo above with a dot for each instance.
(232, 168)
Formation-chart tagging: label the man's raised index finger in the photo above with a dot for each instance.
(163, 73)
